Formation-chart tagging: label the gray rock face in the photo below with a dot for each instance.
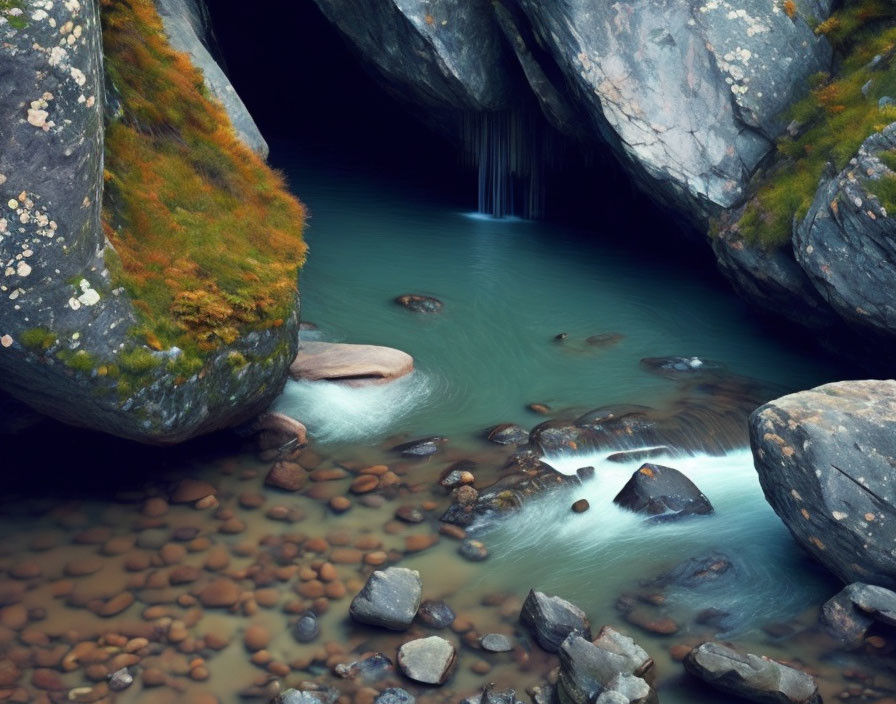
(825, 459)
(440, 53)
(184, 25)
(395, 695)
(846, 244)
(588, 670)
(752, 677)
(850, 613)
(551, 619)
(55, 285)
(688, 92)
(297, 696)
(771, 280)
(427, 660)
(662, 492)
(390, 599)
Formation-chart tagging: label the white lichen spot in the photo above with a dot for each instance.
(38, 118)
(13, 203)
(839, 515)
(57, 55)
(78, 76)
(74, 303)
(23, 269)
(6, 341)
(89, 297)
(39, 15)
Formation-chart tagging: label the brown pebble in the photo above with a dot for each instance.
(137, 562)
(346, 556)
(281, 669)
(154, 507)
(318, 545)
(340, 504)
(480, 667)
(288, 476)
(328, 474)
(172, 553)
(116, 604)
(189, 490)
(261, 658)
(184, 574)
(256, 637)
(376, 558)
(118, 545)
(452, 531)
(312, 589)
(199, 673)
(364, 484)
(96, 535)
(335, 590)
(153, 677)
(205, 503)
(25, 570)
(43, 678)
(581, 506)
(232, 526)
(416, 543)
(14, 616)
(217, 559)
(328, 572)
(679, 652)
(251, 499)
(220, 594)
(83, 566)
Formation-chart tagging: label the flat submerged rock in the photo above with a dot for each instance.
(356, 365)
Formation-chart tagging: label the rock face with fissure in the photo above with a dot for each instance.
(825, 459)
(61, 319)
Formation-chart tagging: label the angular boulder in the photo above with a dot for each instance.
(551, 619)
(849, 614)
(663, 493)
(846, 243)
(825, 459)
(587, 670)
(427, 660)
(355, 365)
(390, 599)
(753, 677)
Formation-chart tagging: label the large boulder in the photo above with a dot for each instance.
(588, 670)
(71, 337)
(849, 614)
(847, 241)
(825, 459)
(427, 660)
(551, 619)
(753, 677)
(689, 93)
(390, 599)
(438, 53)
(663, 493)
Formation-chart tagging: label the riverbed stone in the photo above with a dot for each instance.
(189, 490)
(473, 550)
(496, 643)
(663, 493)
(423, 447)
(551, 619)
(508, 434)
(427, 660)
(395, 695)
(355, 365)
(288, 476)
(753, 677)
(419, 303)
(436, 614)
(221, 593)
(850, 614)
(390, 599)
(587, 670)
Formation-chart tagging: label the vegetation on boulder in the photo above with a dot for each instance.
(207, 238)
(831, 122)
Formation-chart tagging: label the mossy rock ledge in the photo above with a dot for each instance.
(104, 324)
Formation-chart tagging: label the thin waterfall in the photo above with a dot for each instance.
(508, 150)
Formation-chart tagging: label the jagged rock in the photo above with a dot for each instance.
(490, 696)
(186, 24)
(508, 434)
(847, 241)
(628, 655)
(587, 670)
(419, 304)
(427, 660)
(849, 614)
(436, 614)
(420, 448)
(395, 695)
(304, 696)
(390, 599)
(355, 365)
(752, 677)
(120, 679)
(551, 619)
(662, 492)
(648, 77)
(558, 436)
(825, 459)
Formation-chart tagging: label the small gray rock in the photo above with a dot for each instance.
(435, 614)
(427, 660)
(390, 599)
(120, 679)
(306, 628)
(496, 643)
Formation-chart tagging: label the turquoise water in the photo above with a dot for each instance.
(509, 286)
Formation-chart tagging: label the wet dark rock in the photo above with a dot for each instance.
(306, 628)
(496, 643)
(714, 618)
(605, 339)
(585, 473)
(540, 408)
(459, 515)
(850, 614)
(752, 677)
(588, 671)
(120, 680)
(419, 304)
(490, 696)
(395, 695)
(420, 448)
(427, 660)
(436, 614)
(523, 460)
(581, 506)
(662, 492)
(390, 599)
(551, 619)
(370, 669)
(288, 476)
(465, 495)
(621, 424)
(561, 336)
(410, 514)
(508, 434)
(711, 569)
(473, 550)
(639, 455)
(825, 460)
(558, 435)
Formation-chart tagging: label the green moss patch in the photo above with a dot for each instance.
(208, 239)
(839, 113)
(13, 11)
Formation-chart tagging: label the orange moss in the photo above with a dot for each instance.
(208, 238)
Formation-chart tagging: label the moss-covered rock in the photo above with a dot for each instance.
(127, 293)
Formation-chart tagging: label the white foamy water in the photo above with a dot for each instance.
(594, 557)
(336, 412)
